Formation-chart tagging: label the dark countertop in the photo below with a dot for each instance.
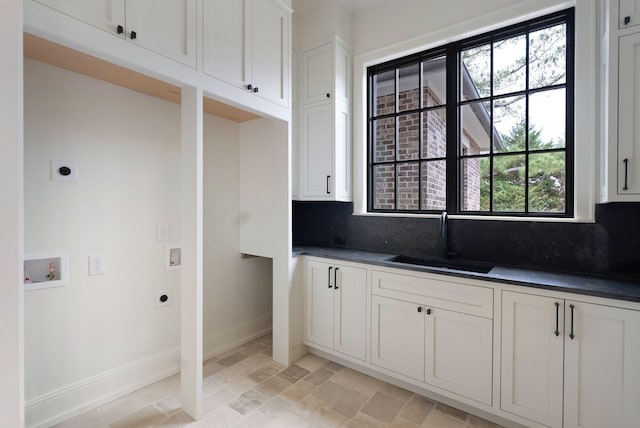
(599, 286)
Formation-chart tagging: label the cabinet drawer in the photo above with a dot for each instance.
(437, 292)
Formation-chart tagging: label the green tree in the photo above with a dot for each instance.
(546, 176)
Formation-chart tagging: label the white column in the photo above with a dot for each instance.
(192, 243)
(281, 205)
(11, 217)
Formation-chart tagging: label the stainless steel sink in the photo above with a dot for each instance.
(461, 265)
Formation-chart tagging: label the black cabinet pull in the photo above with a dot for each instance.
(249, 86)
(335, 278)
(133, 35)
(120, 29)
(571, 335)
(626, 174)
(557, 332)
(255, 90)
(328, 191)
(329, 278)
(429, 311)
(419, 308)
(627, 20)
(328, 95)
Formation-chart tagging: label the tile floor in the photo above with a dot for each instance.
(246, 388)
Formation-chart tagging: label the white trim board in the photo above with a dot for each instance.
(79, 397)
(217, 342)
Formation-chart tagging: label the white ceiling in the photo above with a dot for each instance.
(349, 4)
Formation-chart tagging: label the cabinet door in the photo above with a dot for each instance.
(602, 378)
(103, 14)
(165, 27)
(319, 296)
(350, 323)
(342, 79)
(397, 336)
(532, 358)
(458, 353)
(629, 116)
(270, 53)
(629, 13)
(226, 40)
(342, 169)
(317, 153)
(317, 66)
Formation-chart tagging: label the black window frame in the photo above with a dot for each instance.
(454, 170)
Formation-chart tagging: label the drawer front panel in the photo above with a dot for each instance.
(441, 293)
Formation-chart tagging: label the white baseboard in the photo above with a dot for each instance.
(219, 341)
(77, 398)
(298, 352)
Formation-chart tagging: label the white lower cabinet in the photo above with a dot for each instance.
(335, 307)
(562, 363)
(442, 348)
(573, 358)
(397, 336)
(459, 353)
(532, 357)
(602, 366)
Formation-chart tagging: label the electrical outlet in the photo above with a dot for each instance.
(163, 298)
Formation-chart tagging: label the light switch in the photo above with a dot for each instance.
(96, 265)
(162, 232)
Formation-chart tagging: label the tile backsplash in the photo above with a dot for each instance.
(610, 245)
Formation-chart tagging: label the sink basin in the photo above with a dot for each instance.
(461, 265)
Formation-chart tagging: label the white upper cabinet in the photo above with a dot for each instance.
(629, 116)
(620, 92)
(247, 44)
(104, 14)
(317, 152)
(166, 27)
(629, 13)
(317, 70)
(325, 139)
(227, 40)
(270, 51)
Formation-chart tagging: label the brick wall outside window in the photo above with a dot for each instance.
(407, 176)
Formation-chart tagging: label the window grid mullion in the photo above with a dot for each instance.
(395, 137)
(491, 162)
(526, 129)
(420, 131)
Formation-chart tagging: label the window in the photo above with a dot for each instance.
(480, 126)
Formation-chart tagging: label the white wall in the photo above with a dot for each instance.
(392, 29)
(127, 147)
(391, 22)
(320, 19)
(105, 330)
(11, 225)
(237, 291)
